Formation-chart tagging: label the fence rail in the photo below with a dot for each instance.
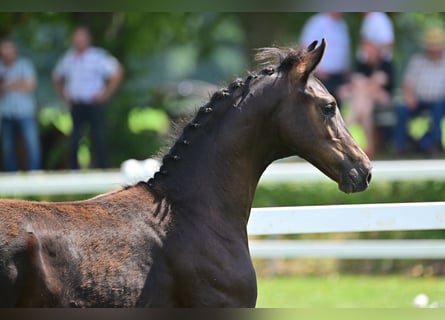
(58, 183)
(348, 249)
(73, 182)
(347, 218)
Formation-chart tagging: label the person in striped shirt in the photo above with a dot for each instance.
(17, 107)
(424, 91)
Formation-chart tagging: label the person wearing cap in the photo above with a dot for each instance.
(424, 91)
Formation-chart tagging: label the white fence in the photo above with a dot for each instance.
(400, 170)
(289, 220)
(72, 182)
(348, 218)
(348, 249)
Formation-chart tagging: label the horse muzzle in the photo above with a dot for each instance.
(356, 180)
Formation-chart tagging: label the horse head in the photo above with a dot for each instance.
(310, 124)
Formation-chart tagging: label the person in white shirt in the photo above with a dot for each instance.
(85, 78)
(334, 67)
(378, 29)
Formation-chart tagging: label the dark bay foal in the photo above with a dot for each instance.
(179, 239)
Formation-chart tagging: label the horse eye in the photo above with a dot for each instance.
(329, 109)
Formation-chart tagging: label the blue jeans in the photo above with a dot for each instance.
(92, 115)
(29, 130)
(433, 138)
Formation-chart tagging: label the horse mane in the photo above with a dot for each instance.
(271, 59)
(284, 58)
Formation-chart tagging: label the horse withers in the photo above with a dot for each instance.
(180, 239)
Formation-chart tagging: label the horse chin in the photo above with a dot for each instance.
(355, 181)
(347, 187)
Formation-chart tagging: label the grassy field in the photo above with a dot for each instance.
(348, 291)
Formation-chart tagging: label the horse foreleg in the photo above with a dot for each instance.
(42, 286)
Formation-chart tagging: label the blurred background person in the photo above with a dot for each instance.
(370, 88)
(424, 91)
(378, 28)
(371, 83)
(334, 67)
(18, 107)
(85, 78)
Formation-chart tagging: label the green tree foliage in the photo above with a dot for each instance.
(161, 50)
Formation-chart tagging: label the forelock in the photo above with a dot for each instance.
(283, 58)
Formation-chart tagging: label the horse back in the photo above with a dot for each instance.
(95, 252)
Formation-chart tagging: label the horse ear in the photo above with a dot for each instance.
(312, 46)
(312, 59)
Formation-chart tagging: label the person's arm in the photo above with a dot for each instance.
(59, 85)
(409, 96)
(26, 80)
(111, 85)
(25, 85)
(408, 87)
(59, 76)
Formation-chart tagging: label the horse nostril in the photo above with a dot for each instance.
(368, 178)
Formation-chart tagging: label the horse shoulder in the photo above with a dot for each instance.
(43, 285)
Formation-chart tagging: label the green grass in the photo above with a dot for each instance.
(348, 291)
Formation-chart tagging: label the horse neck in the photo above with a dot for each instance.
(215, 165)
